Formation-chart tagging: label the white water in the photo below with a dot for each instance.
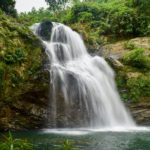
(86, 83)
(83, 131)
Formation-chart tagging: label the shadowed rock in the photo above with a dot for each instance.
(44, 31)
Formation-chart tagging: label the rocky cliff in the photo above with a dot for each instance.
(131, 61)
(23, 78)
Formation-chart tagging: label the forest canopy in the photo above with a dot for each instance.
(8, 6)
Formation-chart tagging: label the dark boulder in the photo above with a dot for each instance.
(44, 31)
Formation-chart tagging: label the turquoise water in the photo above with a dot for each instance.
(88, 140)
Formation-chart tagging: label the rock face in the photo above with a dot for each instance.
(141, 112)
(44, 31)
(133, 83)
(24, 83)
(118, 49)
(29, 112)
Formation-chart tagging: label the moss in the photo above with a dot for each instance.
(2, 72)
(22, 79)
(19, 53)
(129, 45)
(133, 85)
(139, 87)
(138, 58)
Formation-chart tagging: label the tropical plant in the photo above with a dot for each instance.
(11, 143)
(66, 146)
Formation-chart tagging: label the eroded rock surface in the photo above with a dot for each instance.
(141, 112)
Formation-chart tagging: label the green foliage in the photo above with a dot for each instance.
(15, 78)
(133, 87)
(137, 58)
(112, 18)
(2, 71)
(138, 84)
(18, 56)
(96, 19)
(81, 8)
(129, 45)
(138, 87)
(85, 17)
(11, 143)
(8, 6)
(66, 146)
(20, 51)
(56, 5)
(35, 16)
(142, 5)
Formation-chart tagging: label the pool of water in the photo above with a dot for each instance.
(89, 139)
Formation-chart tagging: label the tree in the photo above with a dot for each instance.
(8, 6)
(55, 5)
(143, 6)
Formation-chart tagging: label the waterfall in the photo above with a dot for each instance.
(83, 91)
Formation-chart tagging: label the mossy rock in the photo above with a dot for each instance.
(131, 61)
(133, 84)
(23, 80)
(45, 30)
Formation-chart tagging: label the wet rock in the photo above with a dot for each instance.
(140, 112)
(115, 63)
(44, 31)
(28, 112)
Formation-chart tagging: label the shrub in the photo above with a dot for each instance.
(34, 16)
(81, 8)
(116, 17)
(2, 71)
(8, 6)
(129, 45)
(15, 78)
(85, 17)
(137, 58)
(138, 87)
(133, 88)
(18, 56)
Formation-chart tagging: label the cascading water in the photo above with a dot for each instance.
(83, 89)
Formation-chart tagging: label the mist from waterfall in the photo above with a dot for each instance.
(85, 84)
